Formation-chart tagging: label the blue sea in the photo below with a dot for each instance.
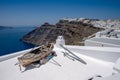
(10, 39)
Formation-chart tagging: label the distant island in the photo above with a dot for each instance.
(5, 27)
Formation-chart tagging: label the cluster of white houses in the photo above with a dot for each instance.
(106, 38)
(115, 24)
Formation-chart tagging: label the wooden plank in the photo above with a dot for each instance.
(79, 59)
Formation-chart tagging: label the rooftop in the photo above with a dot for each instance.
(69, 69)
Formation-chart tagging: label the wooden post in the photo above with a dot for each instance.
(20, 67)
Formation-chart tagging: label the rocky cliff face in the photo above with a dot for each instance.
(73, 32)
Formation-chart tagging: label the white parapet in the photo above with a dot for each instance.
(12, 55)
(117, 65)
(60, 40)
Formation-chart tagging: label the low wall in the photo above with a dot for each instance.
(100, 44)
(106, 54)
(12, 55)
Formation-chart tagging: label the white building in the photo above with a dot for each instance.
(108, 33)
(103, 42)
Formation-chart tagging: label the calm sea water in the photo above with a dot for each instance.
(10, 40)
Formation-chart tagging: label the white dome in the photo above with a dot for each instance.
(60, 40)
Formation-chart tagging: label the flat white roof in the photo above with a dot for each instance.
(69, 70)
(112, 77)
(106, 40)
(110, 54)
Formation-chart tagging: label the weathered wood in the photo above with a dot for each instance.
(76, 57)
(25, 60)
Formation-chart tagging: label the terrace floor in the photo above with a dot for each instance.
(69, 69)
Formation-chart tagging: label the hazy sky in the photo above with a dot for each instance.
(36, 12)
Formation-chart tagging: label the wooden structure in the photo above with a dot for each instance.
(35, 55)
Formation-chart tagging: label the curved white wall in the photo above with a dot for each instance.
(12, 55)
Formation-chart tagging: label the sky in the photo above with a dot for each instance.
(36, 12)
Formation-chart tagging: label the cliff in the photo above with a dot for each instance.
(73, 32)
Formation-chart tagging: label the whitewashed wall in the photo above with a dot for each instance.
(102, 53)
(100, 44)
(12, 55)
